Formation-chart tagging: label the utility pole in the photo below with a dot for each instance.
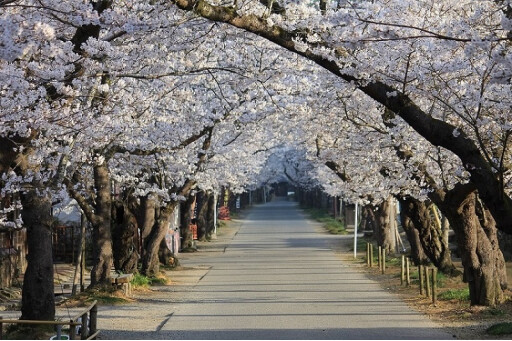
(355, 230)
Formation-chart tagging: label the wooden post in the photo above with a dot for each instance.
(59, 332)
(427, 282)
(368, 254)
(402, 271)
(420, 276)
(72, 332)
(83, 331)
(1, 328)
(434, 285)
(383, 261)
(408, 272)
(371, 255)
(94, 319)
(379, 256)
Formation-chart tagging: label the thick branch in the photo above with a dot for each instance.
(80, 199)
(437, 132)
(334, 167)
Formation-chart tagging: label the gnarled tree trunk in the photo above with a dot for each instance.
(186, 220)
(102, 237)
(433, 240)
(124, 238)
(145, 214)
(386, 228)
(150, 259)
(210, 216)
(202, 212)
(368, 219)
(476, 233)
(38, 298)
(408, 220)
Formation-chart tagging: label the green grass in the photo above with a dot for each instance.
(393, 261)
(106, 299)
(503, 328)
(455, 294)
(141, 280)
(329, 223)
(441, 279)
(144, 281)
(495, 312)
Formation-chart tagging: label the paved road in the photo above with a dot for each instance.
(278, 279)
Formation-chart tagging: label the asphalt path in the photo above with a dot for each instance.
(280, 279)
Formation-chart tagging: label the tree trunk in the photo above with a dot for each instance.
(210, 216)
(38, 299)
(430, 233)
(145, 214)
(164, 254)
(186, 220)
(407, 217)
(368, 219)
(385, 228)
(202, 215)
(102, 237)
(150, 260)
(124, 238)
(476, 233)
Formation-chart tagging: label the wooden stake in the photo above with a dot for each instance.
(380, 258)
(367, 254)
(420, 276)
(408, 272)
(371, 255)
(383, 261)
(427, 282)
(434, 285)
(402, 271)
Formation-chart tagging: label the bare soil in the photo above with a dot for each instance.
(464, 321)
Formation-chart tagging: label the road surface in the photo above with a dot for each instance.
(278, 279)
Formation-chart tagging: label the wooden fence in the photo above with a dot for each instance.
(83, 324)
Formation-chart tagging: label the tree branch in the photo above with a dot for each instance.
(437, 132)
(80, 199)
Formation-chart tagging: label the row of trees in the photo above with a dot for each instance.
(433, 101)
(102, 93)
(167, 98)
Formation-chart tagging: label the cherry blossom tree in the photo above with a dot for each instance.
(367, 99)
(432, 74)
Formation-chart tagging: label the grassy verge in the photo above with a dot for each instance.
(141, 281)
(329, 223)
(461, 295)
(504, 328)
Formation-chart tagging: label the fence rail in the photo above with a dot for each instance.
(86, 320)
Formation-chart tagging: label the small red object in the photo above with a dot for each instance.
(224, 213)
(193, 229)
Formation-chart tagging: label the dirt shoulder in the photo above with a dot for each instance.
(464, 322)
